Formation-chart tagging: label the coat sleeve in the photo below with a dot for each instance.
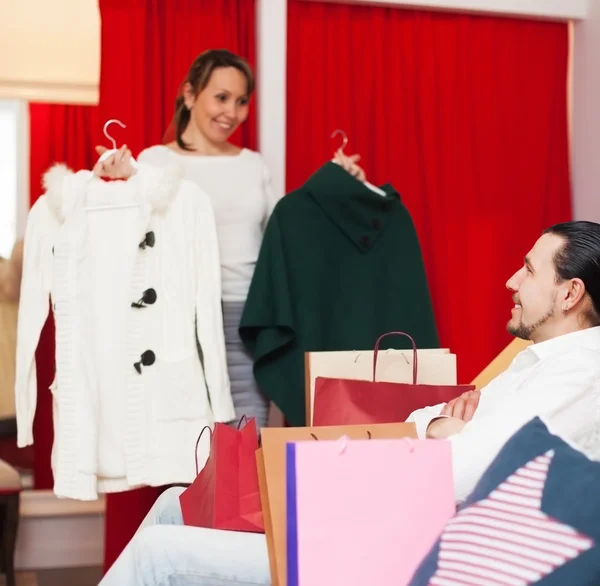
(33, 312)
(267, 324)
(209, 312)
(423, 417)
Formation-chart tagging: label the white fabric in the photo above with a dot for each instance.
(558, 380)
(165, 552)
(114, 428)
(113, 262)
(242, 198)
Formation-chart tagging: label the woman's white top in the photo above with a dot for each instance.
(239, 188)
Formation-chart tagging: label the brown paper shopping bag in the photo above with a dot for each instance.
(268, 523)
(272, 476)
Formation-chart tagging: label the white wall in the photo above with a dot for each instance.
(14, 173)
(547, 9)
(585, 141)
(271, 32)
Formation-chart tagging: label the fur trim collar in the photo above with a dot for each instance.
(153, 187)
(52, 182)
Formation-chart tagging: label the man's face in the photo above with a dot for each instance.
(536, 293)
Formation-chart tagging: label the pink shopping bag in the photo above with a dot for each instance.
(362, 512)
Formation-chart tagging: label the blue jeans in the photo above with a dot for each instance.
(164, 552)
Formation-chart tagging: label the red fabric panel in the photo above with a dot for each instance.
(147, 47)
(467, 117)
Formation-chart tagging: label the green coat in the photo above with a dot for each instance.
(339, 265)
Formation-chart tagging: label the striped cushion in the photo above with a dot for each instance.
(534, 518)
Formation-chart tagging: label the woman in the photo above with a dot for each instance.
(215, 100)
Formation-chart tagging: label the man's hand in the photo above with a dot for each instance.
(458, 412)
(463, 407)
(444, 427)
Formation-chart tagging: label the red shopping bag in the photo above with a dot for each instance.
(353, 402)
(225, 493)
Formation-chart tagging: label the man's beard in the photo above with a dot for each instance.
(525, 331)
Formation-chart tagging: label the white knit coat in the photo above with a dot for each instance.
(132, 392)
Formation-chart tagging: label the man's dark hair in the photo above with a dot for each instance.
(579, 257)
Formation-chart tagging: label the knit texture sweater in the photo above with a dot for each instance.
(132, 270)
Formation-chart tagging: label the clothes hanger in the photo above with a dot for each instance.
(344, 143)
(114, 149)
(105, 156)
(344, 138)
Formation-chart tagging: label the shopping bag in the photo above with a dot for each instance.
(266, 508)
(352, 402)
(437, 366)
(225, 493)
(365, 511)
(273, 442)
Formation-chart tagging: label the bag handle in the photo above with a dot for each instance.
(242, 418)
(198, 443)
(316, 438)
(414, 347)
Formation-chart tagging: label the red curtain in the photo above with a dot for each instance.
(466, 116)
(147, 47)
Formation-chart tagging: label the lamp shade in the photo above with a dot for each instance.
(50, 50)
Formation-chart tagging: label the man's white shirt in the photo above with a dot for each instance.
(557, 380)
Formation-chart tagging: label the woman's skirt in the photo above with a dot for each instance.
(248, 399)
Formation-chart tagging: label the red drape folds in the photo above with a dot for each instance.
(147, 47)
(466, 116)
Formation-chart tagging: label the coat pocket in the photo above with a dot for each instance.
(181, 393)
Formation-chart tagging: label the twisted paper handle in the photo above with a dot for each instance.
(414, 346)
(198, 442)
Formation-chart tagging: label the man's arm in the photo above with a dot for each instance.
(441, 421)
(423, 417)
(564, 391)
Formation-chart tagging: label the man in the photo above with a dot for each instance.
(556, 298)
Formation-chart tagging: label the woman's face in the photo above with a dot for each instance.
(221, 106)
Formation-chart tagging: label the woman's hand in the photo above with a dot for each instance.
(348, 162)
(117, 166)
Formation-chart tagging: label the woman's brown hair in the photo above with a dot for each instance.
(198, 77)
